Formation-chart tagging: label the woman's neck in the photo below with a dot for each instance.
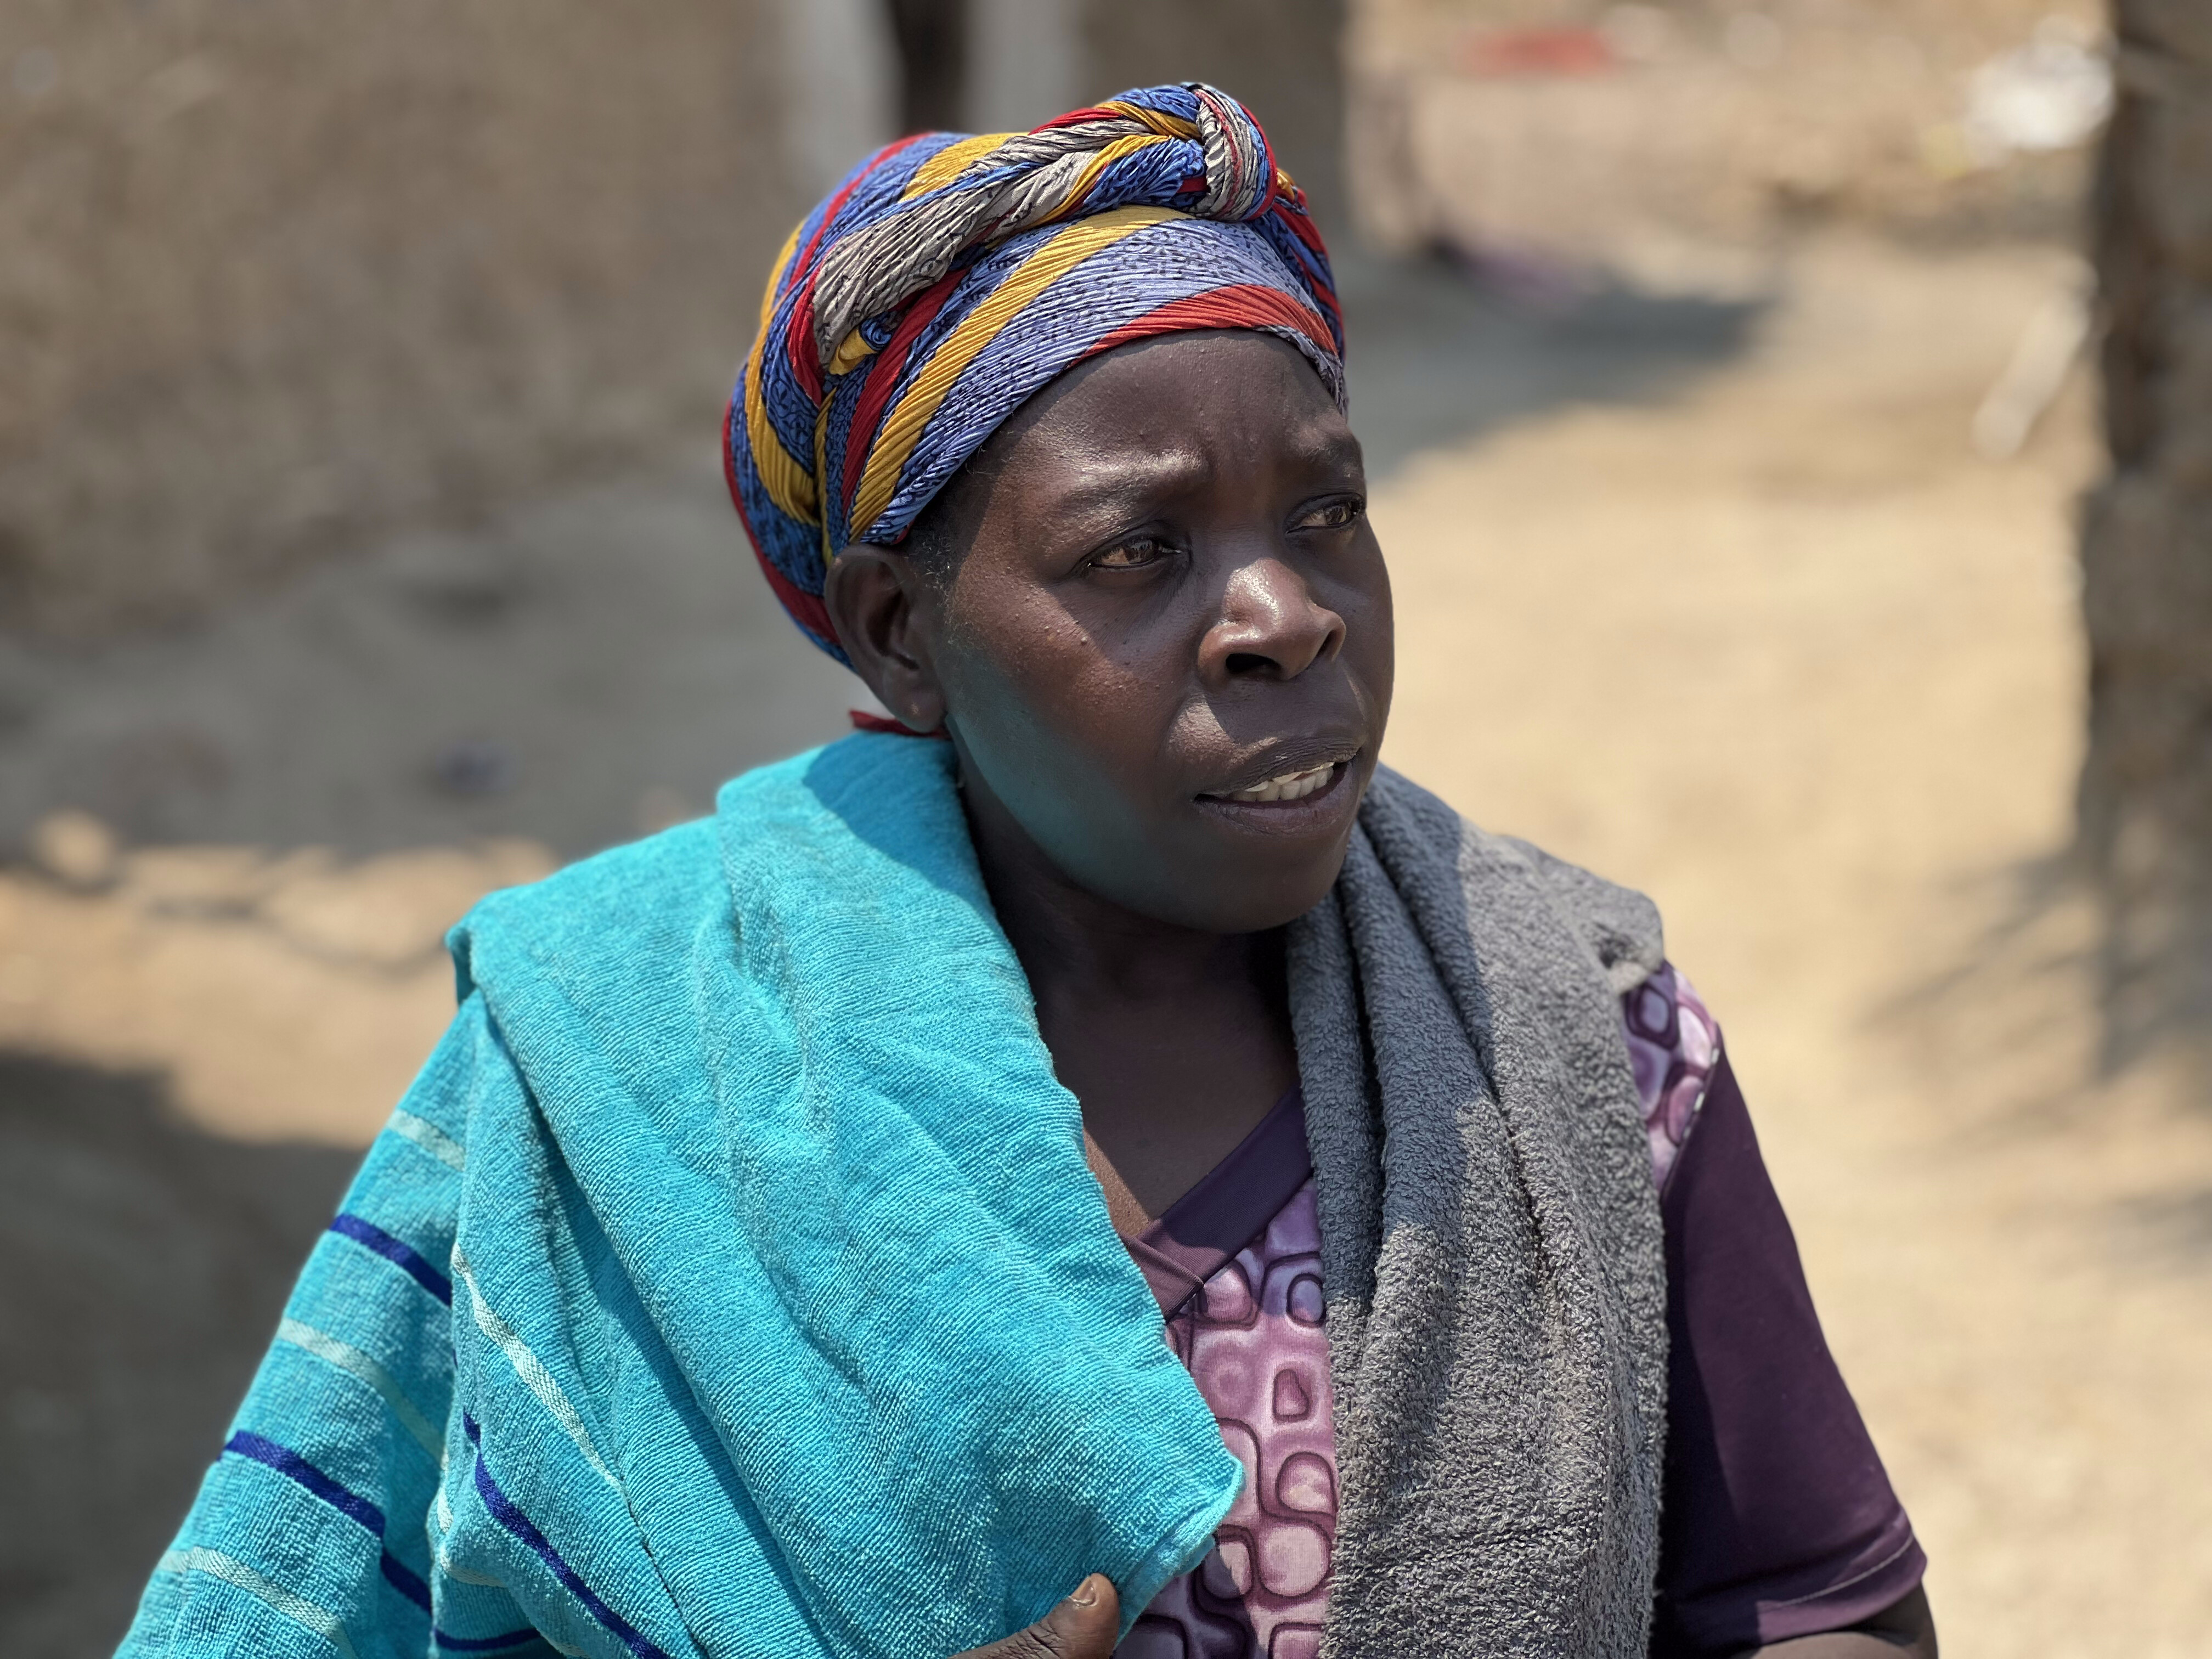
(1175, 1042)
(1070, 940)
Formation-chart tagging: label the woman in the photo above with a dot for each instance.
(776, 1257)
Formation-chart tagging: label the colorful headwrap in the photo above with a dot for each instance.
(951, 276)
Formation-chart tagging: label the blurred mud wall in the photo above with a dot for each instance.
(1283, 57)
(278, 274)
(1025, 61)
(2147, 554)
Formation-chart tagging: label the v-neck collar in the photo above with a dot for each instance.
(1228, 1206)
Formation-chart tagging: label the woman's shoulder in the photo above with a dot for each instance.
(600, 931)
(608, 901)
(787, 840)
(1619, 926)
(611, 894)
(1674, 1050)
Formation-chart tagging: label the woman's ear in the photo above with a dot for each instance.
(886, 617)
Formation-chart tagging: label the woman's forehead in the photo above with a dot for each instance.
(1165, 402)
(1133, 468)
(1150, 421)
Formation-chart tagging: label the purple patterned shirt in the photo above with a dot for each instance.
(1761, 1428)
(1253, 1340)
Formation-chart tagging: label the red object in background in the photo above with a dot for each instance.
(1538, 51)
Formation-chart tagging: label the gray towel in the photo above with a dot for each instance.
(1491, 1244)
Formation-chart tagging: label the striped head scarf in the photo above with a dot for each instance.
(951, 276)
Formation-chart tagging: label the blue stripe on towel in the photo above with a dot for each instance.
(503, 1510)
(404, 1579)
(482, 1643)
(408, 1583)
(370, 1236)
(351, 1504)
(286, 1461)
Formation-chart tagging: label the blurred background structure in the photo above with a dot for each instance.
(1795, 411)
(2146, 550)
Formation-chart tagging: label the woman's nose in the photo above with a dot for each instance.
(1271, 624)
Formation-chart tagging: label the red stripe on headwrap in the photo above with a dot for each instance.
(799, 347)
(807, 609)
(1077, 116)
(799, 336)
(1303, 226)
(864, 720)
(804, 608)
(883, 371)
(1246, 304)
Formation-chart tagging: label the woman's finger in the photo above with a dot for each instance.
(1081, 1627)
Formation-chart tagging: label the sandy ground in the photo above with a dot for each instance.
(1715, 597)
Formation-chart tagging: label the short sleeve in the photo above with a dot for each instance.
(1779, 1520)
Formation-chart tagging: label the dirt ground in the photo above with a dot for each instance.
(1716, 598)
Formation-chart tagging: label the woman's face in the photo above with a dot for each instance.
(1165, 653)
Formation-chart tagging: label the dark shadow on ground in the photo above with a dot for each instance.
(142, 1267)
(1434, 357)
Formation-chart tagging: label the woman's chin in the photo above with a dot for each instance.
(1266, 863)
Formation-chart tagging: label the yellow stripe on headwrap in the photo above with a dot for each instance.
(775, 274)
(852, 351)
(901, 429)
(1097, 164)
(788, 483)
(1167, 125)
(951, 162)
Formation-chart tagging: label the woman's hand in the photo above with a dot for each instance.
(1081, 1627)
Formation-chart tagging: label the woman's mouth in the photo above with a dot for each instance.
(1287, 786)
(1299, 801)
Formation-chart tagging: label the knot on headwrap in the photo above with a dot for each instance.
(951, 276)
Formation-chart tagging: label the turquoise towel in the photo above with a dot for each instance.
(784, 1316)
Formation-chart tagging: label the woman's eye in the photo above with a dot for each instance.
(1337, 515)
(1131, 555)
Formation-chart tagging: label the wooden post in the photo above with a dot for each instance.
(931, 37)
(2146, 790)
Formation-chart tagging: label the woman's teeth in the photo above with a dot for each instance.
(1292, 786)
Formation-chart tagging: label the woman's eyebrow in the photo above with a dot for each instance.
(1105, 485)
(1334, 445)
